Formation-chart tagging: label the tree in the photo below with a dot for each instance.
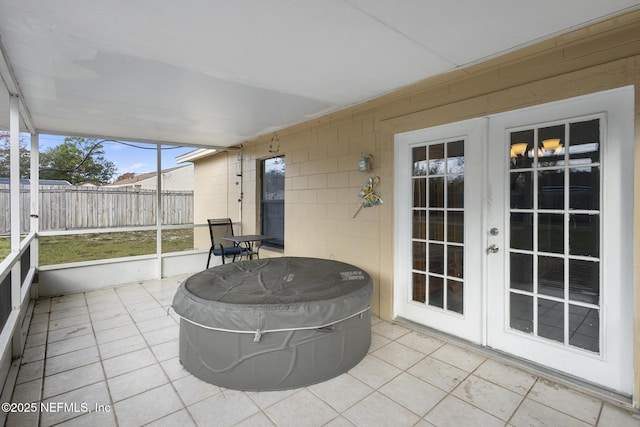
(127, 175)
(24, 154)
(77, 160)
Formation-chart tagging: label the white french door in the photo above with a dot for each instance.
(560, 287)
(438, 227)
(546, 252)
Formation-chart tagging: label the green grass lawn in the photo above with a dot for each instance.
(87, 247)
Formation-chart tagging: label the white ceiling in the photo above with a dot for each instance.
(216, 73)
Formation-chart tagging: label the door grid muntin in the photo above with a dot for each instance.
(438, 225)
(554, 259)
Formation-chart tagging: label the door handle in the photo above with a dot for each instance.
(493, 249)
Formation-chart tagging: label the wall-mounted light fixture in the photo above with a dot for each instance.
(553, 145)
(364, 165)
(274, 145)
(518, 149)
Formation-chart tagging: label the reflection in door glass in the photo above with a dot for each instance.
(436, 159)
(554, 255)
(551, 146)
(584, 235)
(419, 287)
(521, 190)
(521, 271)
(551, 233)
(521, 228)
(584, 281)
(584, 327)
(521, 309)
(551, 319)
(521, 149)
(551, 189)
(584, 145)
(419, 224)
(420, 193)
(438, 212)
(436, 294)
(551, 276)
(585, 188)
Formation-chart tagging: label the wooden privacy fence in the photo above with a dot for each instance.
(70, 207)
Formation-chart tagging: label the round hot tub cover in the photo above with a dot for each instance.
(274, 294)
(274, 324)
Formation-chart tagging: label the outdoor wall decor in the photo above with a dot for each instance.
(368, 194)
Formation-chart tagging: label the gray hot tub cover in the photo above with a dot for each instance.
(274, 294)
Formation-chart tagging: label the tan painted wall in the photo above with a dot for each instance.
(215, 193)
(322, 181)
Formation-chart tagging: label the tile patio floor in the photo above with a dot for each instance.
(119, 348)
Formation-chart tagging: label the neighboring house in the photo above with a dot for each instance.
(175, 179)
(509, 207)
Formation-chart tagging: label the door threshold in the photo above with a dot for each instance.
(583, 386)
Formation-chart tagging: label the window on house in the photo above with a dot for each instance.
(272, 200)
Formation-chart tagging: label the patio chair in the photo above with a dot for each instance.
(219, 228)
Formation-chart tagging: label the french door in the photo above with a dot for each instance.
(438, 227)
(546, 252)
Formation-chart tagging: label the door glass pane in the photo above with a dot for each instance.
(522, 231)
(419, 224)
(551, 146)
(419, 161)
(419, 193)
(419, 287)
(455, 226)
(551, 276)
(521, 312)
(584, 235)
(584, 328)
(521, 149)
(551, 189)
(584, 281)
(551, 319)
(436, 159)
(584, 185)
(455, 192)
(455, 157)
(455, 296)
(419, 256)
(436, 192)
(584, 142)
(555, 232)
(436, 258)
(455, 260)
(521, 271)
(436, 291)
(521, 190)
(551, 233)
(438, 225)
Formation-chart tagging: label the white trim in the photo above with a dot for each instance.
(197, 154)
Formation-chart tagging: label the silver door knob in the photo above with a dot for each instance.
(493, 249)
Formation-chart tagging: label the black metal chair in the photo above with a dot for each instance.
(219, 228)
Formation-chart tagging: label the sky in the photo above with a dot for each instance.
(133, 157)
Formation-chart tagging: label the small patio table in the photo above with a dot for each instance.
(250, 241)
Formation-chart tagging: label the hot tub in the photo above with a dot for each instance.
(274, 324)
